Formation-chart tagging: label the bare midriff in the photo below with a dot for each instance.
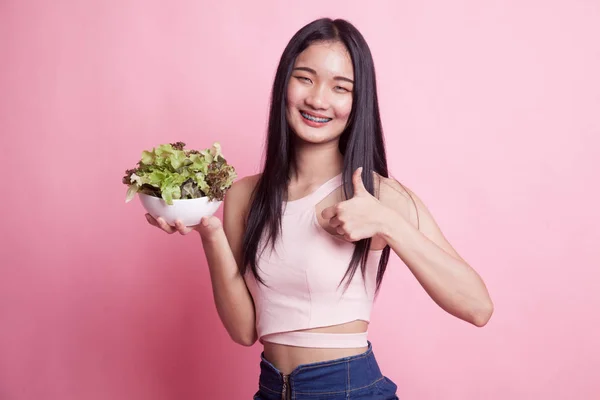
(286, 358)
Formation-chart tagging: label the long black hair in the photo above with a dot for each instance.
(361, 144)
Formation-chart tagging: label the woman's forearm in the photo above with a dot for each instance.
(232, 299)
(449, 281)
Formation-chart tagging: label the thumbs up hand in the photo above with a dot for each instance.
(360, 217)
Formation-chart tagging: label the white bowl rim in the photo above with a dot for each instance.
(203, 198)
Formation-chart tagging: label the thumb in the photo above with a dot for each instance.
(359, 186)
(211, 222)
(208, 224)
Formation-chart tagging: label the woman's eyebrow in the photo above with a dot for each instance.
(312, 71)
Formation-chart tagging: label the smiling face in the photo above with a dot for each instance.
(319, 93)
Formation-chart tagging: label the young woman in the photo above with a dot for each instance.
(304, 245)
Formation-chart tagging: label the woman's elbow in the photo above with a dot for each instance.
(246, 340)
(483, 314)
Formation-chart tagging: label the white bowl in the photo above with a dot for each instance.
(188, 211)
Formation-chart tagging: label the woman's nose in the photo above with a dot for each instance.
(317, 98)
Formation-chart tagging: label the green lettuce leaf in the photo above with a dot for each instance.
(171, 172)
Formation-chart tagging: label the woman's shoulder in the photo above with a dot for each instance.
(245, 184)
(398, 196)
(390, 186)
(240, 193)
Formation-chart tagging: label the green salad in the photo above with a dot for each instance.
(171, 172)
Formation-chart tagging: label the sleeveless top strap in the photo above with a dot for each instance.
(313, 198)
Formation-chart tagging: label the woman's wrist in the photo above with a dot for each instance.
(390, 223)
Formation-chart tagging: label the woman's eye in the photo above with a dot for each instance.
(303, 79)
(341, 89)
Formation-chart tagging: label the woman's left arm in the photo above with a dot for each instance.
(448, 279)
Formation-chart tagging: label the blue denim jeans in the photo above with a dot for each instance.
(355, 377)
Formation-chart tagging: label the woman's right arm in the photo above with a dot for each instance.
(222, 244)
(223, 248)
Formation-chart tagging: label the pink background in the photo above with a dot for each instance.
(491, 111)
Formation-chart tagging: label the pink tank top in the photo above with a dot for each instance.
(302, 274)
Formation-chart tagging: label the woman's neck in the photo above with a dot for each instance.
(316, 162)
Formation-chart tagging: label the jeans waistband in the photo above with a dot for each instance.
(326, 377)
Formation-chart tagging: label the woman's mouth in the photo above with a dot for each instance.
(314, 119)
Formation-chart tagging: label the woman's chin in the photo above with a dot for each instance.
(310, 135)
(316, 138)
